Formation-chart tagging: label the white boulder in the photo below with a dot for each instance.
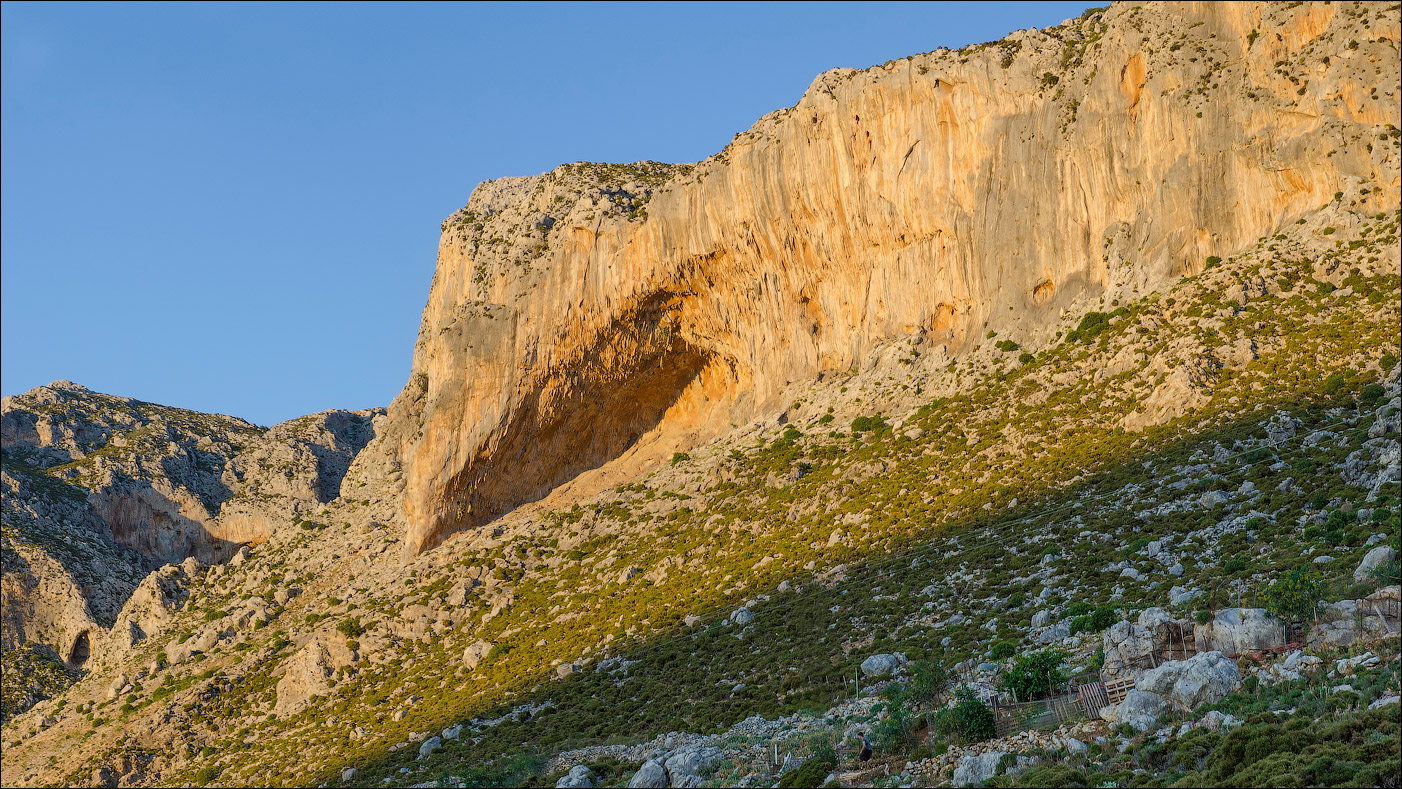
(579, 777)
(1235, 631)
(1185, 684)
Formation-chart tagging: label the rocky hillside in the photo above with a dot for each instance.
(599, 310)
(860, 425)
(99, 491)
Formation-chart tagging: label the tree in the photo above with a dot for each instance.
(1035, 675)
(1296, 596)
(927, 681)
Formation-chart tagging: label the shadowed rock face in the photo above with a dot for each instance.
(597, 309)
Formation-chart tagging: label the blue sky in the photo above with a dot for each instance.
(235, 207)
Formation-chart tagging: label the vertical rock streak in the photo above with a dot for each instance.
(947, 194)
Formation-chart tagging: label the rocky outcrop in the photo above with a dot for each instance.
(602, 312)
(1140, 710)
(1379, 557)
(1236, 631)
(975, 769)
(1351, 621)
(151, 474)
(289, 471)
(149, 610)
(100, 491)
(1204, 678)
(1131, 646)
(579, 777)
(308, 672)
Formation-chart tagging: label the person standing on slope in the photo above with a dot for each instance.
(866, 747)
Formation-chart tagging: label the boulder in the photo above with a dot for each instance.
(1054, 633)
(1140, 709)
(1299, 661)
(579, 777)
(474, 654)
(686, 766)
(308, 672)
(1041, 619)
(115, 689)
(1203, 678)
(974, 770)
(652, 775)
(881, 665)
(1351, 621)
(1126, 645)
(1179, 595)
(741, 617)
(1378, 557)
(1217, 720)
(1348, 666)
(348, 775)
(430, 745)
(1235, 631)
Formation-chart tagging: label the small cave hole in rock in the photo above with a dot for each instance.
(78, 655)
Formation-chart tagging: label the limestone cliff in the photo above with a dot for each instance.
(594, 310)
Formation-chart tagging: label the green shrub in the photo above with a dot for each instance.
(1334, 384)
(1090, 326)
(1002, 650)
(1076, 609)
(1006, 346)
(1388, 362)
(809, 774)
(969, 718)
(1102, 617)
(1296, 596)
(1372, 393)
(680, 457)
(863, 424)
(1053, 775)
(1035, 675)
(350, 627)
(927, 681)
(896, 730)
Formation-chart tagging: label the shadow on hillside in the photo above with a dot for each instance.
(800, 654)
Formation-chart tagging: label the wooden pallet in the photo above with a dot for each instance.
(1117, 689)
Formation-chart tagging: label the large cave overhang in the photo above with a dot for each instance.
(577, 417)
